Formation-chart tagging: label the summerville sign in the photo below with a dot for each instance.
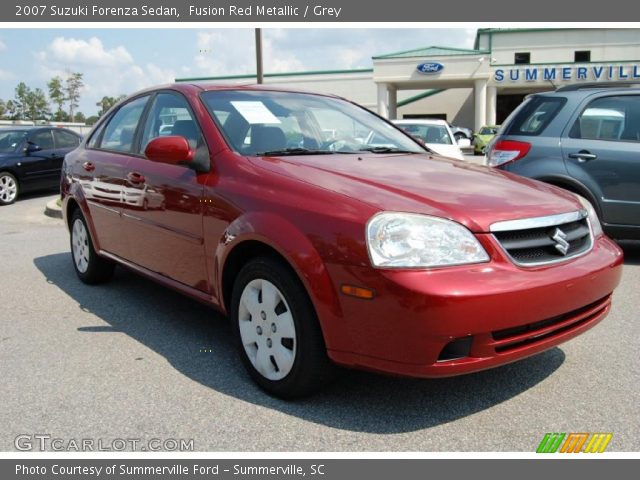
(565, 73)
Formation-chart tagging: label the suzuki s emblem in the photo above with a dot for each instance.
(561, 241)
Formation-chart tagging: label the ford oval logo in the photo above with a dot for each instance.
(430, 68)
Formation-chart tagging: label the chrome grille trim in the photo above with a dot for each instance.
(538, 222)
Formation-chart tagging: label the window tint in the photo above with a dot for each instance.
(522, 58)
(429, 133)
(259, 122)
(610, 118)
(43, 139)
(121, 129)
(534, 115)
(65, 139)
(170, 115)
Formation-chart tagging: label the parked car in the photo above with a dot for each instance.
(585, 139)
(461, 132)
(386, 258)
(31, 159)
(483, 137)
(435, 134)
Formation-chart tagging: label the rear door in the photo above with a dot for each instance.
(162, 211)
(102, 174)
(601, 149)
(37, 168)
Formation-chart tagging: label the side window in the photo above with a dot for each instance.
(170, 115)
(534, 115)
(43, 139)
(615, 118)
(120, 132)
(65, 139)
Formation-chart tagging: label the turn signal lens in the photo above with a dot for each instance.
(358, 292)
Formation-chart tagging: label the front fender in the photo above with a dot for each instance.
(297, 249)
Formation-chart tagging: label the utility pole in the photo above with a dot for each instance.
(259, 73)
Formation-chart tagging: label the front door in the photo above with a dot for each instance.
(162, 211)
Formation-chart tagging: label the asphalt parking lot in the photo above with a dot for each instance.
(134, 360)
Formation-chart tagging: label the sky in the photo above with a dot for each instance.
(118, 61)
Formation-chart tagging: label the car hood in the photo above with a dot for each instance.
(485, 138)
(473, 195)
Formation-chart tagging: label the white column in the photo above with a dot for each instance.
(383, 100)
(392, 95)
(480, 94)
(492, 100)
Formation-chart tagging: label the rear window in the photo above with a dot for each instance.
(534, 115)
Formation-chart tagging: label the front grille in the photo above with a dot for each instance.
(515, 337)
(546, 244)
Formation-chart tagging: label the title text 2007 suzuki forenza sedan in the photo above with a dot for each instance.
(331, 237)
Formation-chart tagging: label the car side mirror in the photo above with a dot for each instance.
(32, 147)
(171, 149)
(464, 142)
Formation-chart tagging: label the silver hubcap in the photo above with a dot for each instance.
(267, 329)
(80, 244)
(8, 188)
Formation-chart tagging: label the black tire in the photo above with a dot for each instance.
(98, 269)
(312, 369)
(6, 197)
(459, 136)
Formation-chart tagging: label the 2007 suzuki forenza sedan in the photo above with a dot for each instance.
(330, 236)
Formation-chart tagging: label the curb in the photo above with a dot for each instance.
(52, 209)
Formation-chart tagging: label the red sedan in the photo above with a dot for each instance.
(330, 236)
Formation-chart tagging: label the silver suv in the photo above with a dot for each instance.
(584, 138)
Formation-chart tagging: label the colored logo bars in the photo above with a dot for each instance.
(574, 442)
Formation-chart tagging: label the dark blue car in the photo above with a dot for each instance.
(31, 159)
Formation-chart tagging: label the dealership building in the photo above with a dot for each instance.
(479, 86)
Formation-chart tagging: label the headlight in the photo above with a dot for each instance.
(407, 240)
(596, 226)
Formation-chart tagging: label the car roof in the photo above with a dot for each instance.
(208, 87)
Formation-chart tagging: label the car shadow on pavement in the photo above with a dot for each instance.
(631, 250)
(198, 343)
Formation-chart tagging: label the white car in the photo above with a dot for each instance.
(435, 134)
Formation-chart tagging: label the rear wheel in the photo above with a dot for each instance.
(277, 330)
(459, 136)
(8, 188)
(89, 267)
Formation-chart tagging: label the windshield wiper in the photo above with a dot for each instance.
(295, 151)
(386, 150)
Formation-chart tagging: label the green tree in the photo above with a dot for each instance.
(22, 92)
(92, 120)
(107, 102)
(36, 106)
(57, 95)
(73, 85)
(80, 117)
(3, 108)
(11, 109)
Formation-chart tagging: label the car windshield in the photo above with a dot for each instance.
(10, 140)
(429, 133)
(282, 123)
(488, 130)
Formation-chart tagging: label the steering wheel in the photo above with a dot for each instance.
(342, 144)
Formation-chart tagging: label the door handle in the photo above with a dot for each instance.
(135, 177)
(88, 166)
(583, 156)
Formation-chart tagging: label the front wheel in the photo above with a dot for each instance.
(277, 330)
(89, 267)
(459, 136)
(8, 188)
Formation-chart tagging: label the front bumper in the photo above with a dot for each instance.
(508, 312)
